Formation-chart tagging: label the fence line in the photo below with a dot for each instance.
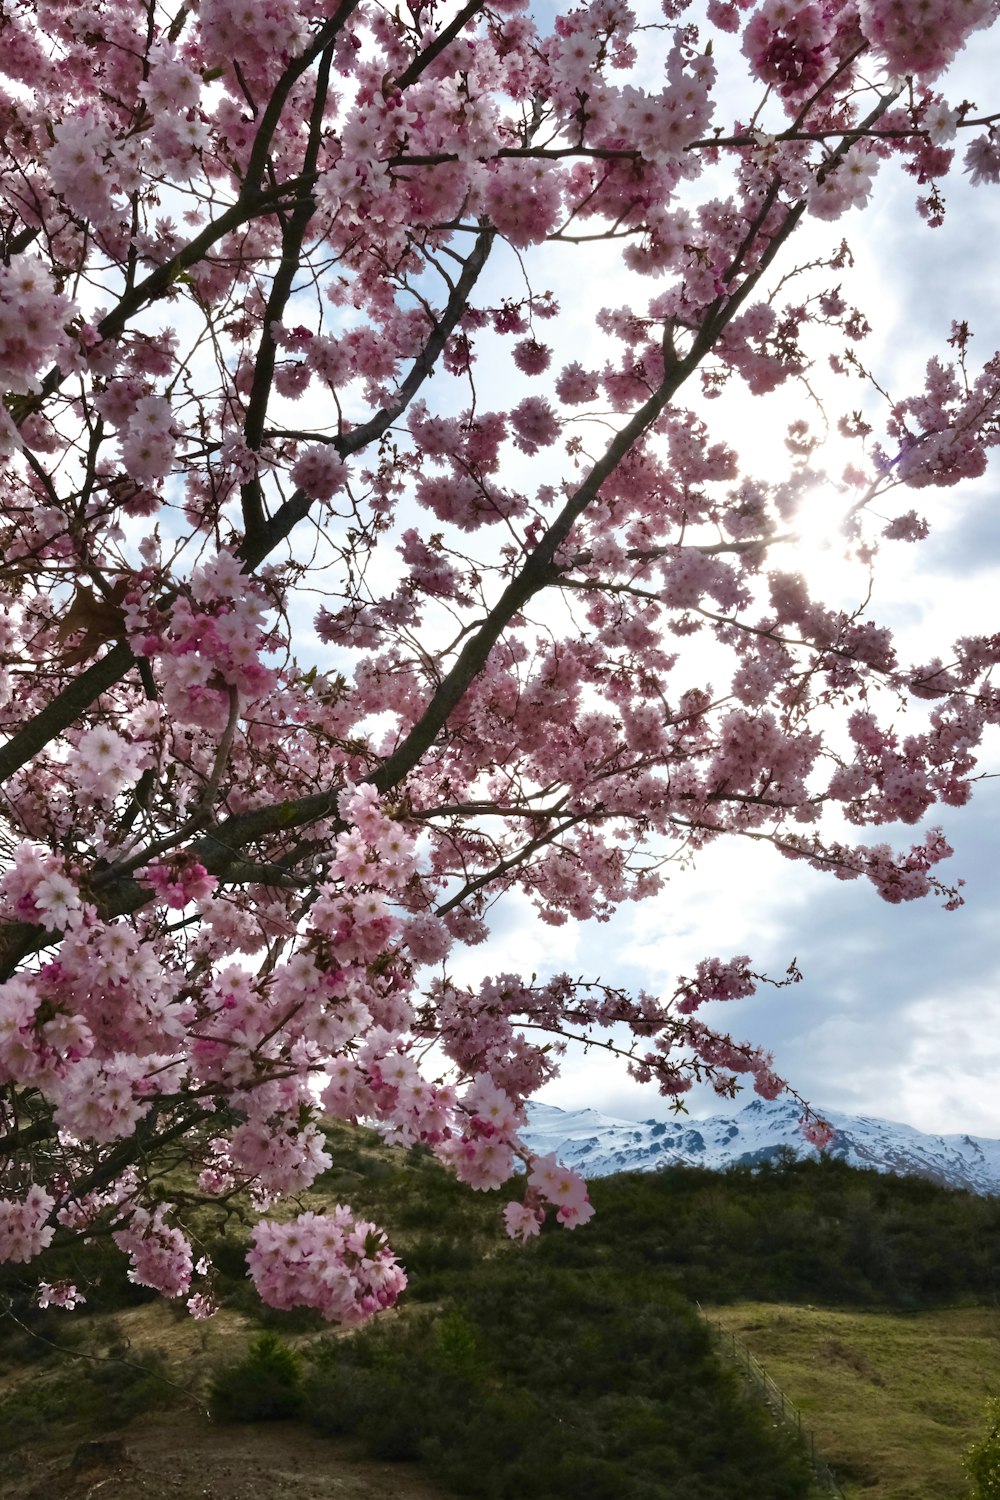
(776, 1399)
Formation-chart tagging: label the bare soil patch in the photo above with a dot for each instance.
(178, 1456)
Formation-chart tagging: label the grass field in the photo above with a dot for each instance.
(894, 1400)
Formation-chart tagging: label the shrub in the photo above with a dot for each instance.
(80, 1393)
(541, 1383)
(264, 1386)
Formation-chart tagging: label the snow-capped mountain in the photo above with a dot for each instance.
(596, 1145)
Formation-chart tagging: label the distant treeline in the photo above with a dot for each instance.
(787, 1230)
(810, 1231)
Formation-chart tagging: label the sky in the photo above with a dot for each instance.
(898, 1012)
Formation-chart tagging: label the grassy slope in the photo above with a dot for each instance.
(894, 1399)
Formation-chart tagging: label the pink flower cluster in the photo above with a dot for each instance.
(277, 1156)
(147, 440)
(35, 888)
(945, 433)
(845, 183)
(982, 158)
(922, 38)
(160, 1255)
(33, 315)
(178, 882)
(103, 762)
(787, 45)
(722, 1060)
(340, 1267)
(558, 1185)
(59, 1294)
(211, 641)
(24, 1227)
(202, 1305)
(80, 1211)
(715, 980)
(818, 1133)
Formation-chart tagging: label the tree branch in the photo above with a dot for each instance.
(447, 36)
(75, 699)
(297, 507)
(292, 239)
(65, 709)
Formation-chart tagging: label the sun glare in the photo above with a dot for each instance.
(820, 547)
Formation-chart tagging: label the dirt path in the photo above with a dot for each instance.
(176, 1456)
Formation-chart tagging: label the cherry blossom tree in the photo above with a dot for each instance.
(343, 591)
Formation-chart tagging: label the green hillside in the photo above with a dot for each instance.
(578, 1366)
(894, 1400)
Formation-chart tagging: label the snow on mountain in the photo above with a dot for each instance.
(596, 1145)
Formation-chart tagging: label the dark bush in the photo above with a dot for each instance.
(264, 1386)
(82, 1393)
(544, 1384)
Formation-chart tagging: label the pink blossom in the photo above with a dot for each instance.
(522, 200)
(575, 385)
(531, 357)
(202, 1305)
(180, 883)
(563, 1188)
(59, 1294)
(521, 1221)
(340, 1267)
(24, 1227)
(921, 39)
(32, 318)
(818, 1133)
(982, 159)
(159, 1252)
(534, 423)
(907, 528)
(316, 640)
(320, 472)
(846, 184)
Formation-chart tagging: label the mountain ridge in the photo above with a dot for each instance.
(596, 1145)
